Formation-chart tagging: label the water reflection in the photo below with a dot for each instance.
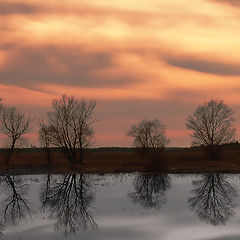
(150, 189)
(15, 207)
(213, 198)
(68, 200)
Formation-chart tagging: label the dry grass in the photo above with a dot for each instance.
(170, 161)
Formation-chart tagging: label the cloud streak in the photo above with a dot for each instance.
(72, 66)
(234, 3)
(17, 8)
(132, 15)
(198, 64)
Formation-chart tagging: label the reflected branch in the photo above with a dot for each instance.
(150, 190)
(16, 207)
(69, 201)
(213, 199)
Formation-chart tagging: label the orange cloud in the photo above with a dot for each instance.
(104, 93)
(152, 59)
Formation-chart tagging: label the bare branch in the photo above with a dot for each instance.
(69, 126)
(149, 135)
(212, 198)
(14, 124)
(212, 124)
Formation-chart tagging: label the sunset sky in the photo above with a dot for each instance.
(139, 59)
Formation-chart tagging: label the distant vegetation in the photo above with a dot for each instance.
(68, 128)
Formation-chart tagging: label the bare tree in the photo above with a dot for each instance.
(70, 125)
(14, 124)
(212, 125)
(149, 135)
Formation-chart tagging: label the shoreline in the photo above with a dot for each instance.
(169, 161)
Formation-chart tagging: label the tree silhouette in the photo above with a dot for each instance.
(14, 124)
(213, 199)
(68, 200)
(69, 126)
(211, 124)
(150, 189)
(149, 135)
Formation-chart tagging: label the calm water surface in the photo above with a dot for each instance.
(126, 206)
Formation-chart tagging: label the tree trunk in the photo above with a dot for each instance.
(80, 150)
(48, 155)
(74, 155)
(214, 151)
(81, 154)
(9, 154)
(68, 154)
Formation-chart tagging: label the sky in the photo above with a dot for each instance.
(138, 59)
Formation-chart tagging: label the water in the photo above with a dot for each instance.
(123, 206)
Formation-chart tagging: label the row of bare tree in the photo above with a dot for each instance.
(69, 126)
(211, 125)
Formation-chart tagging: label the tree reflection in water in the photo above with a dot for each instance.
(213, 199)
(15, 207)
(150, 189)
(68, 200)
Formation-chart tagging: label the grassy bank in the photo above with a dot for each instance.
(115, 160)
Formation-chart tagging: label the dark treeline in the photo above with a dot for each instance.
(34, 149)
(69, 128)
